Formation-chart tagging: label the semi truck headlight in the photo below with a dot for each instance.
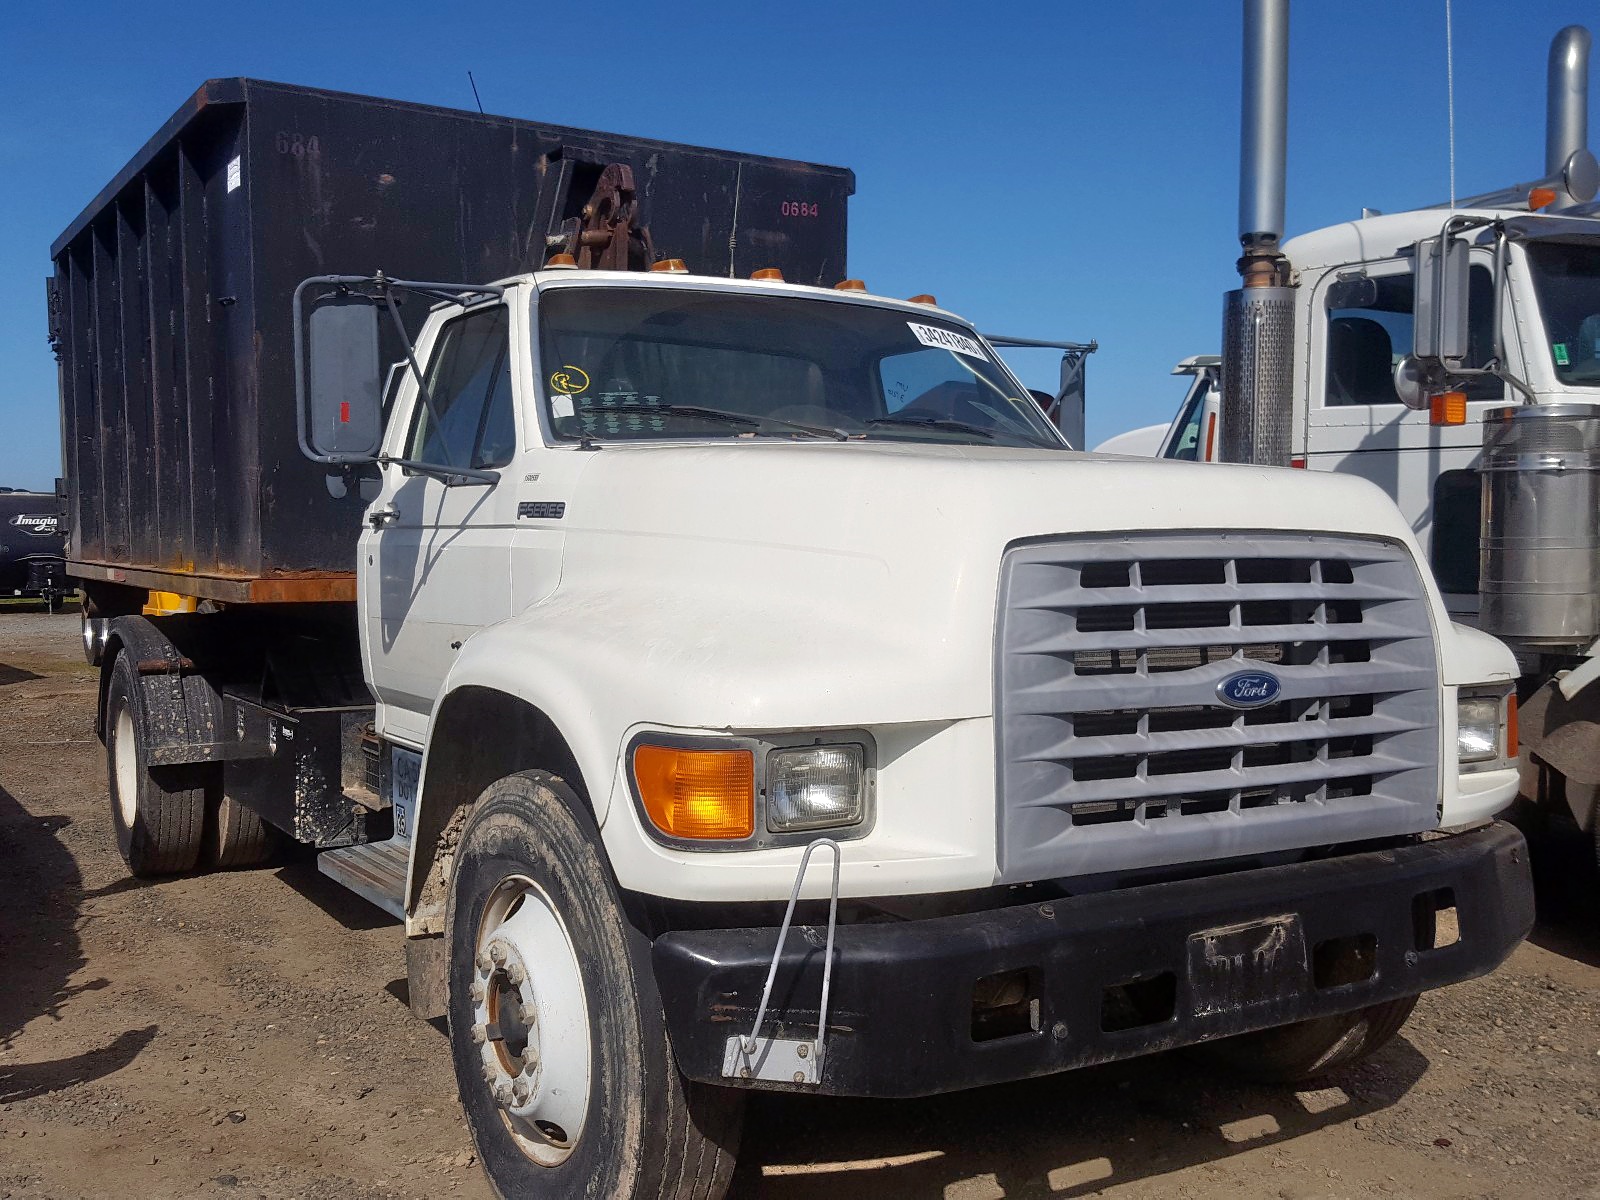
(1486, 724)
(815, 787)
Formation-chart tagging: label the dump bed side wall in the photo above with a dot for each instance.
(172, 299)
(157, 423)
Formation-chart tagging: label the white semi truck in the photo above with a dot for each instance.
(1465, 382)
(664, 587)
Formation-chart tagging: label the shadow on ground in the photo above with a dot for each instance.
(1064, 1135)
(41, 893)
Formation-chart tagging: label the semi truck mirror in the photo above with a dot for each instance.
(1408, 383)
(1439, 337)
(342, 415)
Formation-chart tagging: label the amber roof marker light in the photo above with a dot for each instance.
(924, 298)
(670, 266)
(768, 275)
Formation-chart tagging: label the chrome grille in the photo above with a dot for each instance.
(1116, 752)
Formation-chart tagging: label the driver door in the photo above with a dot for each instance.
(1356, 423)
(435, 559)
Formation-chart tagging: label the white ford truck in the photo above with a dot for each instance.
(756, 692)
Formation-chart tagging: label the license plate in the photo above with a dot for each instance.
(405, 774)
(1237, 967)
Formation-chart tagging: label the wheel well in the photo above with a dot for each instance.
(480, 735)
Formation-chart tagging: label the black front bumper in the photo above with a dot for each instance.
(901, 1016)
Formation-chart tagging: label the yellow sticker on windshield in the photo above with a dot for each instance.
(569, 381)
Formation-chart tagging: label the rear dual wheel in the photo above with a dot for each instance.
(556, 1030)
(170, 819)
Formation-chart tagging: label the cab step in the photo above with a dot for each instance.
(375, 871)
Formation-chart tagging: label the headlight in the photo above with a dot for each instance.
(1486, 724)
(815, 787)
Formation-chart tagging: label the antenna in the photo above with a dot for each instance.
(1450, 92)
(474, 84)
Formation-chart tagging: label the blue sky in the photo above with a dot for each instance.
(1047, 169)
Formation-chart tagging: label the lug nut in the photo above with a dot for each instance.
(520, 1091)
(478, 992)
(497, 953)
(480, 1034)
(516, 974)
(502, 1092)
(485, 964)
(489, 1073)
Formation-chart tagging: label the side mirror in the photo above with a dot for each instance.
(1439, 333)
(1408, 383)
(337, 377)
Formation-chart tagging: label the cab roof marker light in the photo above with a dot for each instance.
(923, 298)
(562, 262)
(670, 266)
(768, 274)
(850, 285)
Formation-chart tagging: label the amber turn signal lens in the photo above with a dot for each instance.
(923, 298)
(670, 266)
(1512, 747)
(850, 285)
(697, 793)
(1448, 408)
(770, 273)
(1541, 198)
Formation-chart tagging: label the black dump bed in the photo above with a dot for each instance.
(170, 301)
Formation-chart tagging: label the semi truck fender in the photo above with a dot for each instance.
(1562, 735)
(177, 712)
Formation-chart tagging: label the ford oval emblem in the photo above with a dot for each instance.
(1249, 689)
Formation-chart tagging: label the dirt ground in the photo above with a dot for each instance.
(244, 1034)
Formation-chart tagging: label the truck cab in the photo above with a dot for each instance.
(739, 684)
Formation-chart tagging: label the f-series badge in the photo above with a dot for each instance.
(1249, 689)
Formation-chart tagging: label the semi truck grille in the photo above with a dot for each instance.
(1116, 749)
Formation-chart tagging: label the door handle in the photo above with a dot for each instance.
(379, 517)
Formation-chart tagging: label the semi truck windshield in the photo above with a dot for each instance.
(1566, 276)
(649, 363)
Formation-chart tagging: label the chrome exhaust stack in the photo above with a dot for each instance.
(1566, 127)
(1258, 317)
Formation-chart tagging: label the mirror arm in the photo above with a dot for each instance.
(451, 475)
(1502, 282)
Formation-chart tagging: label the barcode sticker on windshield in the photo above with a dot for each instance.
(947, 339)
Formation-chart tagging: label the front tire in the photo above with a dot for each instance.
(556, 1030)
(1306, 1050)
(158, 812)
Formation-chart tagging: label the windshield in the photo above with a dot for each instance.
(1566, 276)
(646, 363)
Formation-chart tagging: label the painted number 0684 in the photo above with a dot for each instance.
(297, 145)
(799, 208)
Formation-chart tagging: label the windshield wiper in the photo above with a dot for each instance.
(935, 423)
(737, 418)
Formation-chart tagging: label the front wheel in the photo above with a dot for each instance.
(556, 1030)
(1307, 1049)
